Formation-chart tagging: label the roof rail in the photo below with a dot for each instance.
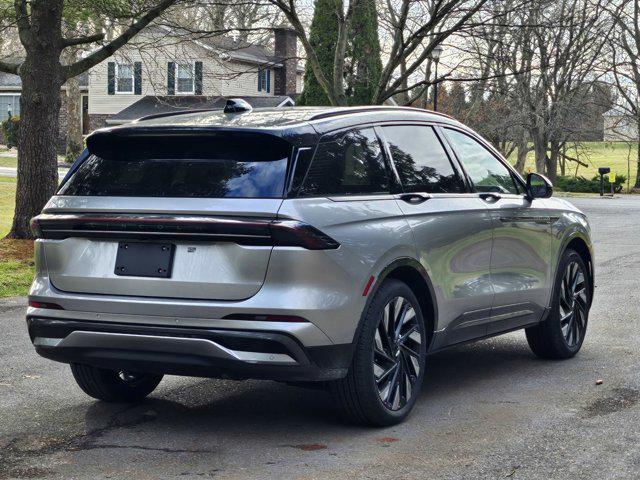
(178, 112)
(374, 108)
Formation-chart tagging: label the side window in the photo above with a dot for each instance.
(421, 160)
(487, 173)
(347, 163)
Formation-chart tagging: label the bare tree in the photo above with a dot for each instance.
(626, 66)
(494, 107)
(556, 49)
(40, 30)
(414, 29)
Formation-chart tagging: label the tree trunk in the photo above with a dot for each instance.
(637, 184)
(552, 163)
(42, 78)
(540, 149)
(521, 157)
(403, 97)
(75, 142)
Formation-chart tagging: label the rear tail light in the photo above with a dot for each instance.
(51, 306)
(35, 227)
(264, 318)
(241, 230)
(298, 234)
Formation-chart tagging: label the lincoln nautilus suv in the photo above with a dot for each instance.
(335, 246)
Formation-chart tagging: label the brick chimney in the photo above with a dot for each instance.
(286, 51)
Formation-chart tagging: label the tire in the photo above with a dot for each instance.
(362, 396)
(113, 385)
(562, 333)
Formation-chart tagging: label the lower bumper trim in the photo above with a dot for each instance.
(187, 351)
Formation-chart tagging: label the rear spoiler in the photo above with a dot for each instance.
(182, 142)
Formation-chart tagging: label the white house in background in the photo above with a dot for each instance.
(619, 126)
(164, 70)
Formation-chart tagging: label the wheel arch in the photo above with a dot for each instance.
(411, 272)
(581, 247)
(578, 241)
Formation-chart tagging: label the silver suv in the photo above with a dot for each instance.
(332, 245)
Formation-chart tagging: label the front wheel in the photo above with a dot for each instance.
(114, 385)
(389, 359)
(562, 333)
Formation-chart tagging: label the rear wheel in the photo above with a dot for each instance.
(114, 385)
(389, 360)
(562, 333)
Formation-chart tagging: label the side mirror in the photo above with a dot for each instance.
(538, 186)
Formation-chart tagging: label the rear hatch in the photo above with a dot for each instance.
(177, 216)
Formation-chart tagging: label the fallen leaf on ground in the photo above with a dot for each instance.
(310, 447)
(388, 439)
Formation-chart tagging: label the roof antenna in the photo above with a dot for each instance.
(237, 105)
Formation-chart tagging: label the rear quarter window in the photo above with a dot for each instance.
(347, 163)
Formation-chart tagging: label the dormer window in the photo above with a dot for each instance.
(186, 78)
(124, 78)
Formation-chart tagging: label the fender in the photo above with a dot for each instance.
(572, 234)
(384, 273)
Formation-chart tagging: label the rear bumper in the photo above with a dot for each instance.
(205, 352)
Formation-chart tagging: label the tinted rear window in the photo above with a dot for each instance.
(229, 170)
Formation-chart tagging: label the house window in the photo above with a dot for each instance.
(124, 78)
(9, 104)
(186, 78)
(264, 80)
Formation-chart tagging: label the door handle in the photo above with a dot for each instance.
(414, 198)
(490, 196)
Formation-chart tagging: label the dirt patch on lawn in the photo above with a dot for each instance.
(16, 250)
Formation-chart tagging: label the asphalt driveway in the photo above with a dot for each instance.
(488, 410)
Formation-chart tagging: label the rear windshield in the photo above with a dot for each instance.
(244, 172)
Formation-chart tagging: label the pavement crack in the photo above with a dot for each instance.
(13, 455)
(142, 447)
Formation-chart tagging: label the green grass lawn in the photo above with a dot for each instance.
(11, 161)
(596, 154)
(16, 256)
(8, 161)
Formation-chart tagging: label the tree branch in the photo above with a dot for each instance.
(70, 42)
(110, 48)
(9, 67)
